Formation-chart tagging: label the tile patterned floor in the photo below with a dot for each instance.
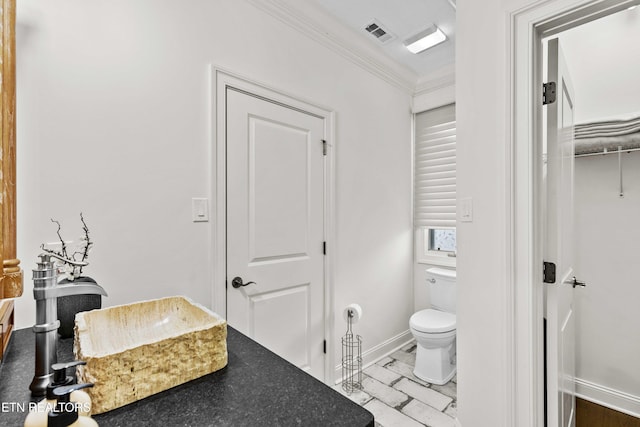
(397, 398)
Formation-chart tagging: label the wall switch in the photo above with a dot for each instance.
(200, 209)
(466, 210)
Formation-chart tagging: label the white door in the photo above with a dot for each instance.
(275, 228)
(558, 248)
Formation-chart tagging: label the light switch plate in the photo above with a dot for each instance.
(466, 209)
(200, 209)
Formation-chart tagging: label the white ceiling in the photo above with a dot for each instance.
(403, 19)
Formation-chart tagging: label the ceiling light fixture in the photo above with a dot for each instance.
(425, 39)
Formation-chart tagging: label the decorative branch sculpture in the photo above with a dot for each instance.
(66, 269)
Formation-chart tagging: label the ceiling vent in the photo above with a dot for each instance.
(377, 30)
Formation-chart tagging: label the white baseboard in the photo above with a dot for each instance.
(608, 397)
(379, 352)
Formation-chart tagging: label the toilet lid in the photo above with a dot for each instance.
(433, 321)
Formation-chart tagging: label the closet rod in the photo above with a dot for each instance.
(602, 153)
(620, 170)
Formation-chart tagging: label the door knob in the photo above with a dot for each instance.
(575, 282)
(237, 282)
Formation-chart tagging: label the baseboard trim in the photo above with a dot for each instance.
(608, 397)
(379, 352)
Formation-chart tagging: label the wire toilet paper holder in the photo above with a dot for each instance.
(351, 355)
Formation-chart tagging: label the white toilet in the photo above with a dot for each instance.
(435, 329)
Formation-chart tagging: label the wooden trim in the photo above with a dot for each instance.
(6, 325)
(11, 282)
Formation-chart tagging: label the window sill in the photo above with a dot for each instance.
(442, 261)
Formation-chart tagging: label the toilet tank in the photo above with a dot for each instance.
(442, 284)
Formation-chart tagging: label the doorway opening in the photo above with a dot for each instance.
(529, 28)
(264, 141)
(607, 201)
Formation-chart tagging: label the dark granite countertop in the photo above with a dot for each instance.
(256, 388)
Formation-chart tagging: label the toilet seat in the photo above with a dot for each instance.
(433, 321)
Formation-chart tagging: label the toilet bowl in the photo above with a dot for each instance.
(435, 330)
(435, 334)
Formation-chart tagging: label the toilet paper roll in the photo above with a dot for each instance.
(354, 311)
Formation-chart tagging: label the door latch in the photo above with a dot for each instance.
(575, 282)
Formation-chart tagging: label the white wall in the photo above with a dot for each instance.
(604, 77)
(114, 119)
(607, 248)
(485, 289)
(481, 117)
(604, 65)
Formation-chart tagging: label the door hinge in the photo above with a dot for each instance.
(324, 248)
(548, 93)
(548, 272)
(324, 147)
(324, 346)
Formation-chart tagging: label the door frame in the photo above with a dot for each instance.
(220, 79)
(528, 25)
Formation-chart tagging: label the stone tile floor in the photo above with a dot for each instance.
(397, 398)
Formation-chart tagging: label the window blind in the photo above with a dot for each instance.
(435, 168)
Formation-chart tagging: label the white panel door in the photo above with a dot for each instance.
(275, 228)
(559, 245)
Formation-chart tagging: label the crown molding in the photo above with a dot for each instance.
(439, 79)
(322, 27)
